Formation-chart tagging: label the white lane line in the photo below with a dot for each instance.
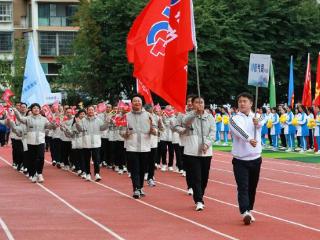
(274, 162)
(6, 229)
(163, 210)
(271, 194)
(273, 180)
(278, 170)
(106, 229)
(236, 206)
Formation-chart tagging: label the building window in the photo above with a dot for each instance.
(5, 41)
(56, 43)
(5, 12)
(56, 14)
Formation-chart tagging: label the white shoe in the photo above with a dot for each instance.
(97, 177)
(146, 176)
(40, 178)
(83, 175)
(302, 151)
(199, 206)
(225, 144)
(66, 168)
(318, 152)
(170, 169)
(116, 169)
(274, 149)
(190, 191)
(289, 150)
(14, 167)
(88, 177)
(151, 183)
(121, 172)
(79, 172)
(252, 217)
(125, 169)
(73, 167)
(129, 175)
(247, 219)
(164, 168)
(27, 175)
(310, 150)
(34, 179)
(184, 174)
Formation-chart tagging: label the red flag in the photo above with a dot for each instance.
(317, 94)
(306, 97)
(122, 105)
(10, 114)
(120, 121)
(144, 91)
(2, 109)
(6, 96)
(50, 117)
(159, 50)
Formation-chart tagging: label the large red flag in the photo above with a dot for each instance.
(306, 97)
(158, 45)
(317, 94)
(145, 92)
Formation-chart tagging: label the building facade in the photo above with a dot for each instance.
(48, 22)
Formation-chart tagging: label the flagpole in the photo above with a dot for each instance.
(255, 111)
(198, 88)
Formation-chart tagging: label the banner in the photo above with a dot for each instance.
(53, 98)
(259, 68)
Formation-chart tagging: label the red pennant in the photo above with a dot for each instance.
(101, 107)
(6, 96)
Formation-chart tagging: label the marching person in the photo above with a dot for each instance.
(137, 137)
(91, 127)
(36, 126)
(246, 151)
(198, 148)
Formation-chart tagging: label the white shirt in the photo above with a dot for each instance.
(242, 129)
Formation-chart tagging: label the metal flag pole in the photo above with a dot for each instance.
(255, 111)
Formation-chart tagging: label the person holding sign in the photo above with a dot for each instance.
(246, 151)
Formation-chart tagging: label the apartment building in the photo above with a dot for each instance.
(48, 22)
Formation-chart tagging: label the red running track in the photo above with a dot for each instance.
(67, 207)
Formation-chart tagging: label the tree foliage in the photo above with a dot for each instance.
(227, 32)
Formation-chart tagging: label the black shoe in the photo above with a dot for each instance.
(136, 194)
(54, 163)
(58, 165)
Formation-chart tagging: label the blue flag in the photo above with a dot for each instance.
(291, 85)
(35, 85)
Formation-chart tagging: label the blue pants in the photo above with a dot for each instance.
(318, 142)
(274, 141)
(303, 141)
(217, 135)
(225, 136)
(290, 140)
(263, 140)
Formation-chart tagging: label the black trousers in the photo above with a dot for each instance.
(177, 151)
(247, 175)
(47, 140)
(17, 152)
(56, 149)
(137, 163)
(36, 158)
(166, 146)
(2, 138)
(93, 153)
(120, 154)
(283, 138)
(151, 161)
(105, 151)
(77, 158)
(269, 136)
(185, 167)
(310, 141)
(65, 152)
(199, 175)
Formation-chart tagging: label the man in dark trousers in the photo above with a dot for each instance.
(246, 151)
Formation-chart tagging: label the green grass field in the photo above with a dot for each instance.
(294, 156)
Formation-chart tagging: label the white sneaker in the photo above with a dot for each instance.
(66, 168)
(318, 152)
(129, 175)
(120, 171)
(125, 169)
(302, 151)
(170, 169)
(247, 219)
(310, 150)
(27, 175)
(164, 168)
(199, 206)
(83, 175)
(225, 144)
(190, 191)
(40, 178)
(34, 179)
(116, 169)
(184, 174)
(252, 217)
(146, 176)
(73, 167)
(14, 167)
(88, 177)
(151, 183)
(274, 149)
(79, 172)
(181, 171)
(289, 150)
(97, 177)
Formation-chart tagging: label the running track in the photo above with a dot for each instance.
(67, 207)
